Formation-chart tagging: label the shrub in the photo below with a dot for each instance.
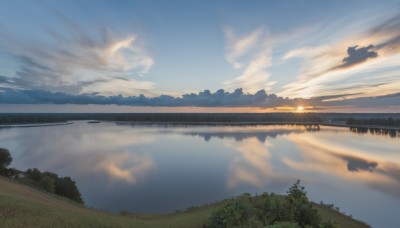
(67, 187)
(50, 182)
(268, 210)
(5, 160)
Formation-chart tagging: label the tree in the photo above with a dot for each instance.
(34, 174)
(66, 187)
(5, 160)
(298, 192)
(304, 213)
(47, 183)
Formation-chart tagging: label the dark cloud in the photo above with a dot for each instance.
(358, 55)
(389, 29)
(355, 56)
(220, 98)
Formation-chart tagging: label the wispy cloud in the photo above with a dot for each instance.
(350, 60)
(389, 32)
(237, 47)
(71, 59)
(253, 54)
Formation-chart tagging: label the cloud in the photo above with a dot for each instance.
(125, 87)
(356, 56)
(389, 30)
(239, 46)
(327, 67)
(219, 98)
(253, 54)
(5, 80)
(71, 58)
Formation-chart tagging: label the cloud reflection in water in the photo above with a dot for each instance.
(85, 154)
(337, 152)
(346, 161)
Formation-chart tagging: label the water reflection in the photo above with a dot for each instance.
(376, 131)
(357, 164)
(75, 151)
(347, 162)
(163, 168)
(261, 133)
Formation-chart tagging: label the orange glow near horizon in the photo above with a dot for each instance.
(300, 109)
(91, 108)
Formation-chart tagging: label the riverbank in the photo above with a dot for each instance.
(22, 206)
(34, 124)
(211, 119)
(177, 123)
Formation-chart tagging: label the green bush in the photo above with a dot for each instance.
(5, 160)
(269, 210)
(67, 187)
(47, 183)
(51, 182)
(283, 225)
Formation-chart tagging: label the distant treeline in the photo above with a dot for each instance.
(351, 119)
(373, 121)
(218, 117)
(31, 118)
(162, 117)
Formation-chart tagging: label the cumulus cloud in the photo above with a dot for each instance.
(70, 59)
(253, 54)
(220, 98)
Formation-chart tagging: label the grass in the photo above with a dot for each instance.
(22, 206)
(344, 220)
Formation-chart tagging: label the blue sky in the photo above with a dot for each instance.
(339, 50)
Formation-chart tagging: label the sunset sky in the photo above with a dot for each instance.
(321, 55)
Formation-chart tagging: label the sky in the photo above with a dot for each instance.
(340, 56)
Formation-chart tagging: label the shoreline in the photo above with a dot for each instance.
(251, 124)
(35, 124)
(176, 123)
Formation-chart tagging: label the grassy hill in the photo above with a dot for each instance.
(22, 206)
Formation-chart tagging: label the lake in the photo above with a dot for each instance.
(163, 168)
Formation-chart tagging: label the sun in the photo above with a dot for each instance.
(300, 109)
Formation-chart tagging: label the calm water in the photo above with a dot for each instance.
(162, 169)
